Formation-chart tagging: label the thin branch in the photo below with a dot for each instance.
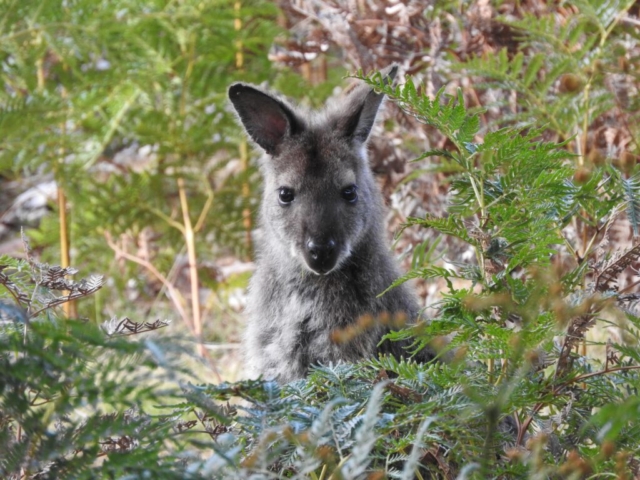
(177, 225)
(629, 287)
(189, 237)
(174, 294)
(580, 378)
(205, 211)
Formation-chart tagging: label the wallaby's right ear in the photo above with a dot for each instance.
(358, 113)
(267, 120)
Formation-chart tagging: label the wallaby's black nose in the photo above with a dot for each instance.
(321, 256)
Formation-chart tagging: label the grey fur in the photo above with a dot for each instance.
(300, 294)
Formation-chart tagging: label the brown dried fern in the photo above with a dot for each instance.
(606, 276)
(21, 298)
(127, 327)
(613, 268)
(575, 333)
(212, 424)
(44, 281)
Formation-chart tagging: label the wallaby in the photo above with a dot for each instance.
(322, 255)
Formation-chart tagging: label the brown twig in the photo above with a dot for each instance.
(629, 287)
(174, 294)
(189, 238)
(243, 149)
(580, 378)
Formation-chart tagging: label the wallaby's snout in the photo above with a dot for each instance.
(327, 223)
(321, 256)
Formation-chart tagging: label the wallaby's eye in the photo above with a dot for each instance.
(285, 196)
(350, 194)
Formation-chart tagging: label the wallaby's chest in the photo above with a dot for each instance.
(300, 323)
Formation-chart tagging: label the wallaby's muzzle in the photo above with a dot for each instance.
(321, 257)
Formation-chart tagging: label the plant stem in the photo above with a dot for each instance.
(580, 378)
(193, 266)
(244, 155)
(70, 308)
(174, 294)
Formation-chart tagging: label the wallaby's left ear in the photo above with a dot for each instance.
(267, 120)
(359, 114)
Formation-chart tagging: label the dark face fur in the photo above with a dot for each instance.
(316, 199)
(319, 193)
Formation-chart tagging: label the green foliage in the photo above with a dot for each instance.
(514, 397)
(560, 74)
(75, 402)
(120, 101)
(515, 199)
(505, 384)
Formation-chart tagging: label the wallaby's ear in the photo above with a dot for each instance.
(363, 103)
(266, 119)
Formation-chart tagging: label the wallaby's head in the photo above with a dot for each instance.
(320, 198)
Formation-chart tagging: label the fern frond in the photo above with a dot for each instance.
(365, 436)
(414, 457)
(448, 225)
(632, 196)
(610, 271)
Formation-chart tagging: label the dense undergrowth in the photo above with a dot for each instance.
(516, 399)
(117, 103)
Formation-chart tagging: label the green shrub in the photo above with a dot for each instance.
(534, 196)
(514, 401)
